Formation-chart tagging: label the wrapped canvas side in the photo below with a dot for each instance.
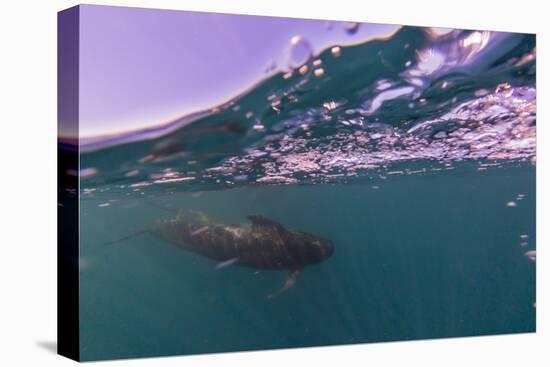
(68, 182)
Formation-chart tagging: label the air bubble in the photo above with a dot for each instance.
(336, 51)
(258, 127)
(303, 70)
(352, 28)
(300, 51)
(531, 255)
(319, 72)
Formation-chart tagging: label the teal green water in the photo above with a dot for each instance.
(419, 257)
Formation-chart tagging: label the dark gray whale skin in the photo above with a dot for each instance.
(265, 244)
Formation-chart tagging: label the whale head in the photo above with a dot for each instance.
(302, 247)
(312, 249)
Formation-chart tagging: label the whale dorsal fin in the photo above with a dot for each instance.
(263, 222)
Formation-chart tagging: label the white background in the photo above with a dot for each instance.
(28, 182)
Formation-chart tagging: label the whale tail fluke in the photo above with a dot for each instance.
(290, 281)
(131, 235)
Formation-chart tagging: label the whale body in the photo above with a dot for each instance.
(263, 244)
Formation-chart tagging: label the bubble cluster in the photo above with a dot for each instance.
(493, 128)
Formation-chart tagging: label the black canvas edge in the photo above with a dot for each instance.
(68, 330)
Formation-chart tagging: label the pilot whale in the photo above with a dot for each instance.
(263, 244)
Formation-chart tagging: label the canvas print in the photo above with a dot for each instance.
(236, 183)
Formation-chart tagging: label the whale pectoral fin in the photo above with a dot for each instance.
(260, 221)
(290, 281)
(227, 263)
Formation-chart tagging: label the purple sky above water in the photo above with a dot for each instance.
(144, 67)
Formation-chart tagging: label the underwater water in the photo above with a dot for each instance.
(415, 155)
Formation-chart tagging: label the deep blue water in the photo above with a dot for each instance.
(415, 155)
